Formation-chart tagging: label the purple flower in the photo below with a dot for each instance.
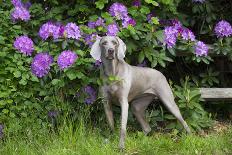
(61, 30)
(149, 16)
(24, 44)
(91, 24)
(136, 3)
(17, 3)
(72, 31)
(20, 13)
(50, 29)
(187, 34)
(1, 131)
(97, 63)
(112, 30)
(91, 38)
(177, 24)
(118, 10)
(223, 29)
(128, 21)
(66, 59)
(170, 36)
(100, 22)
(41, 64)
(201, 1)
(201, 49)
(165, 22)
(53, 113)
(91, 95)
(143, 64)
(27, 5)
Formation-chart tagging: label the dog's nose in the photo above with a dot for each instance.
(111, 51)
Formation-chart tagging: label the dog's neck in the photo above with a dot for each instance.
(110, 67)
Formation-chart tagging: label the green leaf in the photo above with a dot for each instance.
(34, 78)
(55, 81)
(171, 125)
(152, 2)
(23, 82)
(155, 20)
(71, 75)
(154, 63)
(144, 10)
(17, 74)
(5, 111)
(141, 57)
(100, 4)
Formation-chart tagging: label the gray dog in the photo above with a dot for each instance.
(136, 85)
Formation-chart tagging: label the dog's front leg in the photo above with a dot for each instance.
(124, 116)
(109, 113)
(107, 107)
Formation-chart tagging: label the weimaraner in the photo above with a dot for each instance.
(136, 85)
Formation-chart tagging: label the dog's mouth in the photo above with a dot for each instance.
(110, 57)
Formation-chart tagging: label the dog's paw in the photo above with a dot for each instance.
(147, 131)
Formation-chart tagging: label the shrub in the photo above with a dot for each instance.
(32, 84)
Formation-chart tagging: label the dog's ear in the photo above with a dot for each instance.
(95, 51)
(121, 49)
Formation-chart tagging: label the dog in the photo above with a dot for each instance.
(135, 85)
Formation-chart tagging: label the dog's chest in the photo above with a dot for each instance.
(113, 89)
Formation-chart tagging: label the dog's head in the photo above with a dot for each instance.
(108, 47)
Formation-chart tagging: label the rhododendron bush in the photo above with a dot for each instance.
(46, 68)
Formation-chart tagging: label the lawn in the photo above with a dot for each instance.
(86, 141)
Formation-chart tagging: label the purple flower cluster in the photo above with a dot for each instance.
(24, 44)
(200, 1)
(223, 29)
(91, 94)
(21, 11)
(171, 33)
(112, 30)
(66, 59)
(71, 30)
(136, 3)
(187, 34)
(98, 22)
(50, 29)
(1, 131)
(91, 38)
(41, 64)
(118, 10)
(57, 30)
(128, 21)
(201, 49)
(17, 3)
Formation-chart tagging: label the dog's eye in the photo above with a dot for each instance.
(114, 42)
(104, 43)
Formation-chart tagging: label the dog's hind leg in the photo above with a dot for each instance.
(166, 96)
(138, 107)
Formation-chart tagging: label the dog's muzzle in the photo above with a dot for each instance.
(110, 53)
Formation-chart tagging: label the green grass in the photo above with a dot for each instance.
(85, 141)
